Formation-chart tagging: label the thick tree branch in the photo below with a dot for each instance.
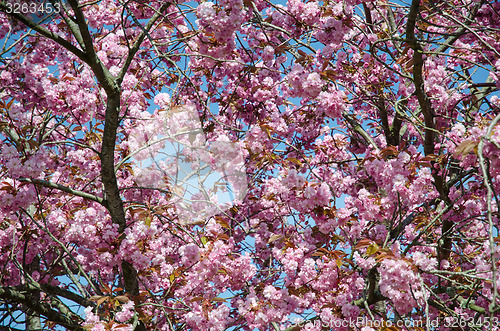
(489, 213)
(73, 27)
(359, 129)
(104, 77)
(8, 328)
(55, 290)
(112, 198)
(426, 107)
(418, 63)
(68, 319)
(368, 15)
(385, 120)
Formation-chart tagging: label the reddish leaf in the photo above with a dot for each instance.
(363, 243)
(465, 147)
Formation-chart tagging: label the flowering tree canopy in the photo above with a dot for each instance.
(356, 145)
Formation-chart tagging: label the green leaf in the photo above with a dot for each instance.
(372, 249)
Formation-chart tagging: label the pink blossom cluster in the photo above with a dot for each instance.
(400, 283)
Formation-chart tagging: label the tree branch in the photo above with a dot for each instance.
(55, 290)
(67, 319)
(418, 79)
(44, 32)
(135, 47)
(102, 74)
(359, 129)
(63, 188)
